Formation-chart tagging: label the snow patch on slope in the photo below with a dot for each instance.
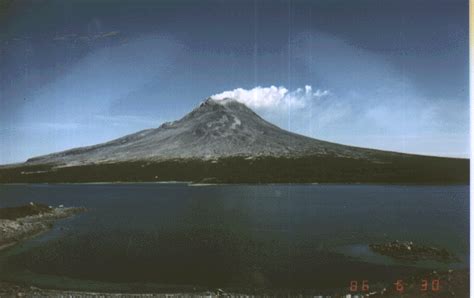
(236, 123)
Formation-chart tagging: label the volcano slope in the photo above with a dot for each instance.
(223, 141)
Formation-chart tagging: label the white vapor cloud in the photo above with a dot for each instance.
(273, 98)
(371, 103)
(301, 110)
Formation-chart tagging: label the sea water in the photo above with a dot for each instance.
(176, 236)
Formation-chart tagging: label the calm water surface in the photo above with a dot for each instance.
(142, 237)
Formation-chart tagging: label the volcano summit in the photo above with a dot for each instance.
(225, 141)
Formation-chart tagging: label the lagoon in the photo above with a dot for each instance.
(173, 236)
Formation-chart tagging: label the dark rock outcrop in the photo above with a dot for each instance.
(407, 250)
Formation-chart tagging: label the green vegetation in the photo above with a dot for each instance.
(393, 168)
(13, 213)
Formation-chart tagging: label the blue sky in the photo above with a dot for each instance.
(382, 74)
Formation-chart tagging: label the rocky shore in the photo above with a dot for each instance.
(14, 290)
(407, 250)
(23, 222)
(451, 284)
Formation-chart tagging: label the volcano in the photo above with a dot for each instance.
(214, 129)
(225, 141)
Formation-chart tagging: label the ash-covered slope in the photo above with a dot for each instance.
(215, 129)
(226, 142)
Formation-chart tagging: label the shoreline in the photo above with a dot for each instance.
(452, 283)
(14, 231)
(10, 244)
(191, 183)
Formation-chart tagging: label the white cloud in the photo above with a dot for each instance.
(302, 110)
(273, 98)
